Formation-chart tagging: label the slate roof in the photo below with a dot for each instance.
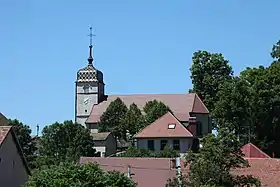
(3, 120)
(180, 104)
(4, 131)
(155, 171)
(159, 128)
(251, 151)
(102, 136)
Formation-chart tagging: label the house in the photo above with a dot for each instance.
(3, 120)
(142, 170)
(14, 169)
(145, 172)
(104, 143)
(167, 131)
(251, 151)
(184, 107)
(91, 101)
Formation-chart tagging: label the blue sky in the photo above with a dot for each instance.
(141, 47)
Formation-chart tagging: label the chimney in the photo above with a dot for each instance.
(178, 166)
(172, 163)
(192, 125)
(128, 171)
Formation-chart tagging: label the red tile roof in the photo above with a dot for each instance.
(159, 128)
(4, 132)
(180, 104)
(266, 169)
(252, 151)
(147, 172)
(160, 169)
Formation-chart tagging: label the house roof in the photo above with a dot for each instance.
(180, 104)
(251, 151)
(142, 169)
(3, 120)
(102, 136)
(166, 126)
(266, 169)
(160, 169)
(4, 131)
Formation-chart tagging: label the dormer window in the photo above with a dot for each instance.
(171, 126)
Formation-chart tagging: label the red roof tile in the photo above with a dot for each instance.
(160, 169)
(159, 128)
(146, 172)
(180, 104)
(266, 169)
(252, 151)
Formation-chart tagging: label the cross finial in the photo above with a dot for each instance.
(90, 36)
(90, 59)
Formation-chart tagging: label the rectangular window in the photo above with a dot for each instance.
(151, 145)
(163, 143)
(176, 145)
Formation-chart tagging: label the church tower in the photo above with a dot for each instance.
(89, 88)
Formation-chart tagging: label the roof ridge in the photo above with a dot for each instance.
(144, 94)
(181, 124)
(199, 99)
(151, 123)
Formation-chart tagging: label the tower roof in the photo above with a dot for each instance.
(89, 73)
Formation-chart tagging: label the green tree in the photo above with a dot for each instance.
(65, 141)
(235, 110)
(212, 164)
(208, 72)
(112, 119)
(28, 146)
(265, 82)
(136, 152)
(275, 53)
(87, 175)
(133, 120)
(23, 133)
(154, 110)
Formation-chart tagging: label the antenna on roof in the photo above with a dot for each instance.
(37, 129)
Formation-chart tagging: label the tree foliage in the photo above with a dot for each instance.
(154, 110)
(135, 152)
(26, 142)
(235, 110)
(65, 141)
(212, 165)
(23, 133)
(87, 175)
(112, 119)
(250, 106)
(208, 72)
(133, 120)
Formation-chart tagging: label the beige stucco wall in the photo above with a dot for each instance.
(185, 143)
(12, 170)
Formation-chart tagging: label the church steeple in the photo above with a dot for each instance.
(90, 58)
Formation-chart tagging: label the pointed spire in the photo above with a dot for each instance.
(90, 58)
